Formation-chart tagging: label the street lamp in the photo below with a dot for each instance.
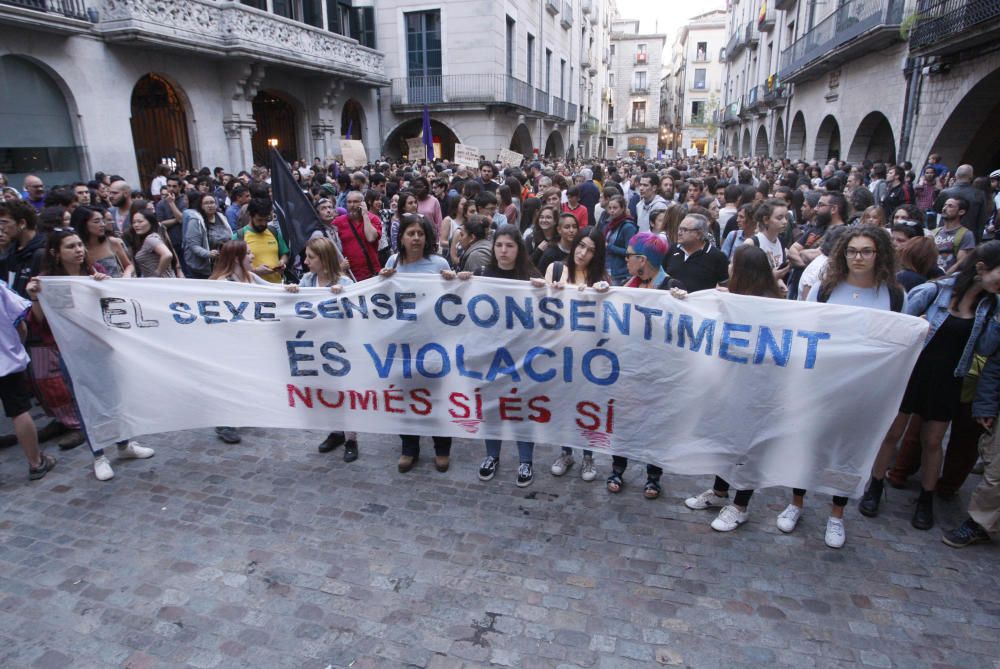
(273, 142)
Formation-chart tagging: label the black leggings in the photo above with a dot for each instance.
(742, 497)
(837, 499)
(411, 445)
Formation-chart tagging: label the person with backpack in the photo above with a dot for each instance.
(772, 219)
(960, 311)
(265, 242)
(954, 241)
(861, 272)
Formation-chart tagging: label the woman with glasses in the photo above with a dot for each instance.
(960, 311)
(861, 272)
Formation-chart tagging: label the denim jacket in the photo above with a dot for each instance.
(931, 300)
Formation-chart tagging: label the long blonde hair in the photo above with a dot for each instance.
(326, 251)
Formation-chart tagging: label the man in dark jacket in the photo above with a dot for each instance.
(694, 261)
(27, 248)
(975, 217)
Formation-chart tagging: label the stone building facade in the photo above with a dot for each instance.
(634, 81)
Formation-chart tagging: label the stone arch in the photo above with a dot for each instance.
(277, 116)
(779, 139)
(828, 139)
(352, 120)
(38, 128)
(445, 139)
(159, 127)
(745, 146)
(969, 133)
(761, 145)
(521, 141)
(797, 138)
(873, 140)
(554, 147)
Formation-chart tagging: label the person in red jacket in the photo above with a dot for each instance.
(573, 206)
(359, 231)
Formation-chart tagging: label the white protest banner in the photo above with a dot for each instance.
(761, 391)
(416, 150)
(354, 152)
(510, 158)
(467, 156)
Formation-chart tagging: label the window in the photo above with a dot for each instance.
(548, 70)
(562, 78)
(640, 53)
(363, 27)
(611, 113)
(312, 12)
(423, 44)
(640, 81)
(722, 55)
(697, 112)
(639, 114)
(699, 78)
(701, 51)
(531, 59)
(284, 8)
(510, 46)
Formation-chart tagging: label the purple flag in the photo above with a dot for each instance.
(428, 136)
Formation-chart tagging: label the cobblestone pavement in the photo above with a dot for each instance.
(268, 554)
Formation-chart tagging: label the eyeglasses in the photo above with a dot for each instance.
(683, 229)
(867, 254)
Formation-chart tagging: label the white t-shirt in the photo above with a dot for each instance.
(774, 250)
(813, 274)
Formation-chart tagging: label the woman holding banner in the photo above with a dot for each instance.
(325, 271)
(66, 255)
(750, 273)
(584, 267)
(861, 272)
(960, 311)
(508, 260)
(644, 257)
(418, 255)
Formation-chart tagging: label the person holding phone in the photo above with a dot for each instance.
(360, 231)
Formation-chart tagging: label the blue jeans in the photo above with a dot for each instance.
(525, 449)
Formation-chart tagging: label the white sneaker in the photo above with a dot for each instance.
(588, 472)
(134, 451)
(562, 464)
(102, 469)
(705, 500)
(789, 518)
(729, 519)
(835, 536)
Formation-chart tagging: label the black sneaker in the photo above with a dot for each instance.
(968, 533)
(488, 469)
(350, 450)
(43, 468)
(524, 475)
(923, 515)
(331, 442)
(872, 498)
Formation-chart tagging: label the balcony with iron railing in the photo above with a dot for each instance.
(731, 114)
(784, 5)
(737, 42)
(590, 125)
(775, 93)
(638, 125)
(586, 59)
(951, 26)
(856, 28)
(230, 28)
(471, 92)
(61, 16)
(697, 121)
(571, 109)
(755, 99)
(639, 89)
(765, 23)
(752, 34)
(641, 58)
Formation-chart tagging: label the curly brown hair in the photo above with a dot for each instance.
(837, 269)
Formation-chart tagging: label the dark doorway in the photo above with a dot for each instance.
(159, 128)
(276, 118)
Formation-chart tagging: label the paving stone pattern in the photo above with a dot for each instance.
(268, 554)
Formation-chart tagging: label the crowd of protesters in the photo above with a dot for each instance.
(869, 235)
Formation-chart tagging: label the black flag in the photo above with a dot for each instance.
(296, 215)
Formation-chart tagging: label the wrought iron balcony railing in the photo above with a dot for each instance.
(949, 26)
